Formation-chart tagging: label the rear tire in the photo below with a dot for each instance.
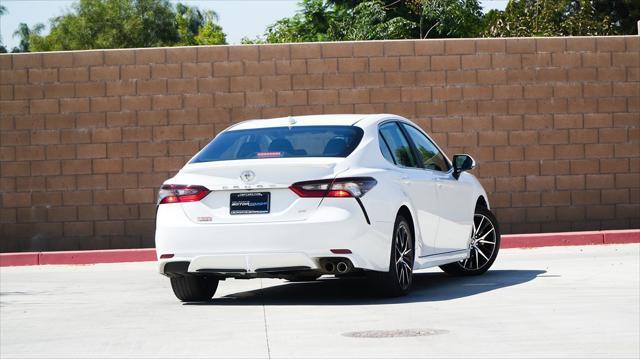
(484, 246)
(397, 281)
(194, 288)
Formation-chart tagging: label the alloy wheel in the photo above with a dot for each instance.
(482, 245)
(403, 256)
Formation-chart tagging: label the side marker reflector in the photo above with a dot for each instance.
(341, 251)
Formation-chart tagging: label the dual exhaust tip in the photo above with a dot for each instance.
(340, 267)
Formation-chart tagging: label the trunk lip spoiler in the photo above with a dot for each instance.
(296, 123)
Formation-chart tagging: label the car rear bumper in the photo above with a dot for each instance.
(254, 247)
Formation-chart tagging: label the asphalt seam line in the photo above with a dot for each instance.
(266, 328)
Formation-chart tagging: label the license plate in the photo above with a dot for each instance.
(250, 202)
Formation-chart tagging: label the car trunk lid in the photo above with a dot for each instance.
(255, 186)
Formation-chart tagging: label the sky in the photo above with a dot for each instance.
(238, 18)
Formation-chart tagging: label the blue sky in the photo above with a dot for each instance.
(239, 18)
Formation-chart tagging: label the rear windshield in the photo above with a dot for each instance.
(278, 142)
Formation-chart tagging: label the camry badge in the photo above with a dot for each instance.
(247, 176)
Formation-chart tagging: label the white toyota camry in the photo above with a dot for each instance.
(301, 197)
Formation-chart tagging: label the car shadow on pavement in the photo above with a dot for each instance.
(427, 287)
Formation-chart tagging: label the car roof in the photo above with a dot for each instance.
(309, 120)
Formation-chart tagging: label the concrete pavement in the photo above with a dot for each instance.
(545, 302)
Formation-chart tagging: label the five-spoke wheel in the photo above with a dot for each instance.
(403, 255)
(397, 281)
(483, 246)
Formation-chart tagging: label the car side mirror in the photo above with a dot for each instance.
(462, 163)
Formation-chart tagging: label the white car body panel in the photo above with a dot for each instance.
(299, 231)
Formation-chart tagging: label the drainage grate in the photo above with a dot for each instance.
(396, 333)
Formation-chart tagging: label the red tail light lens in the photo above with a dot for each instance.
(177, 193)
(340, 187)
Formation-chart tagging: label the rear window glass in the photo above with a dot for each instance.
(278, 142)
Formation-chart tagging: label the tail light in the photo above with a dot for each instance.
(340, 187)
(178, 193)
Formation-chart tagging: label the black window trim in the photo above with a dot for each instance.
(414, 149)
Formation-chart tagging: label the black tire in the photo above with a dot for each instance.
(191, 288)
(482, 238)
(397, 281)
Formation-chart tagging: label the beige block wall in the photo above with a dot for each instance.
(87, 137)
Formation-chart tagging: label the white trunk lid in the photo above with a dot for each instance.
(273, 175)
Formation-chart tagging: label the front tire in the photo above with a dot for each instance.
(191, 288)
(397, 281)
(484, 246)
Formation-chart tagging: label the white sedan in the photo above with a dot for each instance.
(342, 195)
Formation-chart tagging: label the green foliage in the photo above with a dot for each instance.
(210, 34)
(197, 27)
(25, 33)
(623, 14)
(100, 24)
(252, 41)
(310, 24)
(371, 20)
(548, 18)
(450, 18)
(320, 20)
(3, 49)
(340, 20)
(93, 24)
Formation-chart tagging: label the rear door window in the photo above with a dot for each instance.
(278, 142)
(384, 148)
(398, 145)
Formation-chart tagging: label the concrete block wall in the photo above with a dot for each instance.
(87, 137)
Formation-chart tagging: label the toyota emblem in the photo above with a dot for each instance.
(247, 176)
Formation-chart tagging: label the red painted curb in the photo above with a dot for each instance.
(552, 239)
(18, 259)
(105, 256)
(622, 236)
(149, 254)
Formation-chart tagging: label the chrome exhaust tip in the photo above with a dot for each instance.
(329, 267)
(342, 267)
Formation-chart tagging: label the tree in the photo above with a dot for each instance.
(623, 14)
(371, 20)
(320, 20)
(450, 18)
(210, 33)
(95, 24)
(3, 49)
(100, 24)
(25, 34)
(310, 24)
(338, 20)
(547, 18)
(252, 41)
(196, 27)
